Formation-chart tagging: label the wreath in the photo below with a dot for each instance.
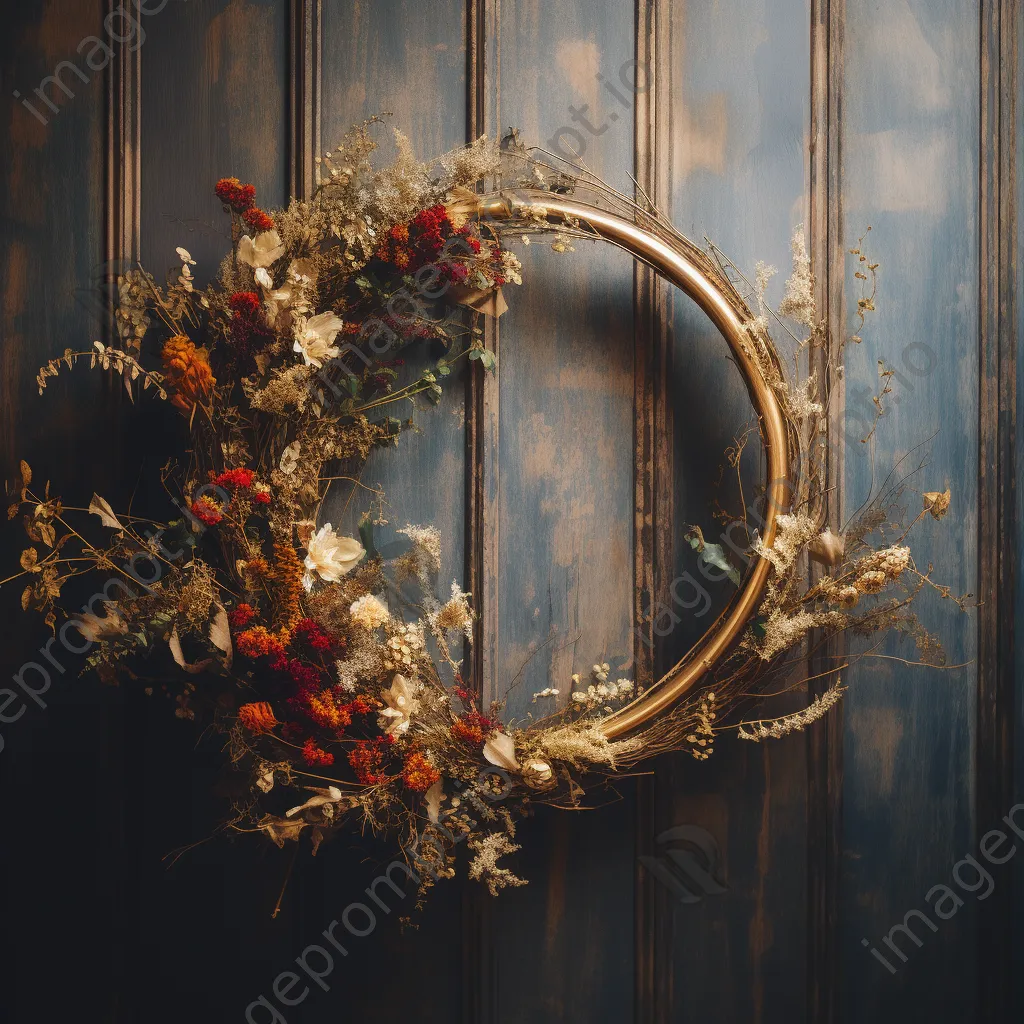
(335, 674)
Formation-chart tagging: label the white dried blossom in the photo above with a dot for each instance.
(400, 704)
(370, 612)
(776, 728)
(454, 616)
(426, 541)
(603, 693)
(798, 302)
(330, 555)
(261, 251)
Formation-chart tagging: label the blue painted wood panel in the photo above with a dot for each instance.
(739, 174)
(562, 508)
(911, 172)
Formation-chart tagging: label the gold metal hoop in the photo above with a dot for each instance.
(711, 294)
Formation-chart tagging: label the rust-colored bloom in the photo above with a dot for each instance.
(233, 193)
(286, 576)
(324, 709)
(367, 760)
(258, 219)
(316, 756)
(259, 642)
(241, 616)
(188, 373)
(419, 774)
(472, 727)
(258, 717)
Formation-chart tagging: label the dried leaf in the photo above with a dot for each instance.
(93, 628)
(174, 642)
(280, 829)
(489, 300)
(47, 534)
(220, 634)
(26, 598)
(101, 507)
(26, 473)
(290, 458)
(712, 554)
(827, 548)
(29, 557)
(937, 502)
(330, 795)
(500, 750)
(432, 801)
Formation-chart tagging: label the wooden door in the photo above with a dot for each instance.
(563, 487)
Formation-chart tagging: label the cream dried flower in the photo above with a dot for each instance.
(314, 338)
(400, 704)
(263, 250)
(454, 615)
(871, 582)
(798, 303)
(330, 556)
(484, 865)
(778, 727)
(370, 612)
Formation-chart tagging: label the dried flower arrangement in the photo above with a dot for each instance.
(329, 669)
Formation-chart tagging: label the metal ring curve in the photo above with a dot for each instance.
(711, 297)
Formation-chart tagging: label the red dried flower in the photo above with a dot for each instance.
(245, 304)
(418, 773)
(367, 760)
(261, 497)
(241, 616)
(313, 634)
(235, 478)
(257, 219)
(206, 510)
(257, 718)
(472, 727)
(314, 755)
(248, 328)
(233, 193)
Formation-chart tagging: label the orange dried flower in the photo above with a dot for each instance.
(325, 710)
(258, 718)
(419, 774)
(188, 373)
(258, 642)
(257, 219)
(286, 574)
(256, 569)
(316, 756)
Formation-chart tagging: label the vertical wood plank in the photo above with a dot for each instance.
(740, 84)
(51, 266)
(560, 509)
(825, 742)
(911, 167)
(997, 541)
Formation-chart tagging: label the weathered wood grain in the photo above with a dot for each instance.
(911, 171)
(587, 456)
(51, 266)
(561, 509)
(739, 135)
